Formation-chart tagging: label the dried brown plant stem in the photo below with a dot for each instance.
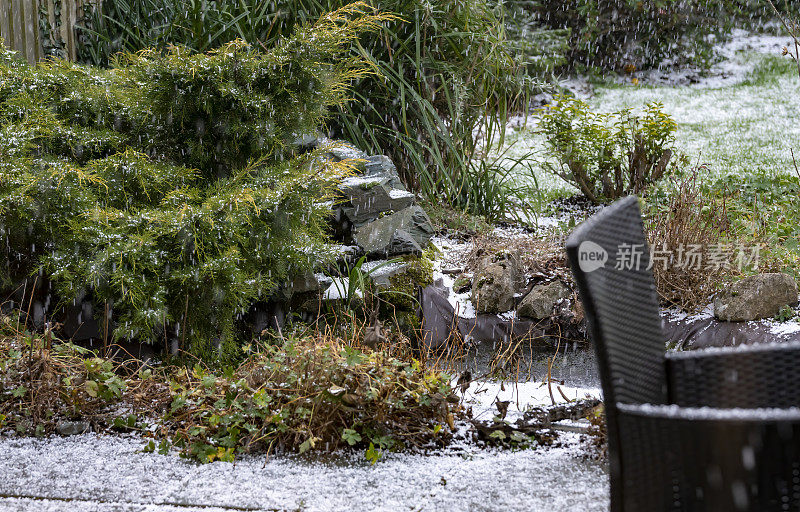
(792, 28)
(27, 316)
(105, 329)
(185, 325)
(550, 368)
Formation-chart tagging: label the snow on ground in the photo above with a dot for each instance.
(461, 302)
(737, 126)
(729, 119)
(775, 327)
(95, 473)
(482, 395)
(733, 67)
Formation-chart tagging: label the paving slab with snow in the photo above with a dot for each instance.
(111, 473)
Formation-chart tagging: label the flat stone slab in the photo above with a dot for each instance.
(368, 197)
(405, 232)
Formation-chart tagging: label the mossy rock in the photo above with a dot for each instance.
(403, 286)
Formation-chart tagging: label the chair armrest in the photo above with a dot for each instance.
(747, 376)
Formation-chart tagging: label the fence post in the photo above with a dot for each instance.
(19, 26)
(33, 48)
(5, 27)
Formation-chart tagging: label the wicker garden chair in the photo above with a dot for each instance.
(707, 430)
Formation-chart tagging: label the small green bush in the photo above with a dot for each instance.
(168, 188)
(607, 156)
(309, 394)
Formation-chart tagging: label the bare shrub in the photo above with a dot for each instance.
(684, 234)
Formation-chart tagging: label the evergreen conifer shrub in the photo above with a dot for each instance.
(167, 188)
(450, 70)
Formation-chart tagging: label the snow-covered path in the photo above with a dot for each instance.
(93, 473)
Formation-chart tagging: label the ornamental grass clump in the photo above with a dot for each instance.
(450, 73)
(167, 189)
(685, 228)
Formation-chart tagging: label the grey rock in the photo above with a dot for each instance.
(73, 428)
(403, 232)
(755, 297)
(381, 272)
(496, 282)
(308, 140)
(380, 165)
(303, 282)
(340, 150)
(404, 243)
(368, 197)
(542, 299)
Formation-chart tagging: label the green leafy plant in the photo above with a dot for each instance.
(607, 156)
(490, 187)
(786, 313)
(309, 392)
(101, 381)
(305, 394)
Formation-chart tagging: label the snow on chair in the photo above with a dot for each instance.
(707, 430)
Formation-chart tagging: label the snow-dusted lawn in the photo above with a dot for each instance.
(93, 473)
(741, 119)
(738, 129)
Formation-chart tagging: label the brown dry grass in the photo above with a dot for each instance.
(44, 381)
(539, 256)
(689, 219)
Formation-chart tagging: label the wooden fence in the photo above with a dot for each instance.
(22, 23)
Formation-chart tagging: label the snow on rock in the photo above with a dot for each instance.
(398, 194)
(338, 290)
(461, 302)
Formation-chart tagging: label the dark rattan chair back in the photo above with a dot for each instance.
(710, 431)
(610, 260)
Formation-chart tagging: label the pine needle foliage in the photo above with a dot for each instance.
(168, 187)
(450, 72)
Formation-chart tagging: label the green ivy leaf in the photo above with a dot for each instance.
(351, 436)
(372, 455)
(92, 388)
